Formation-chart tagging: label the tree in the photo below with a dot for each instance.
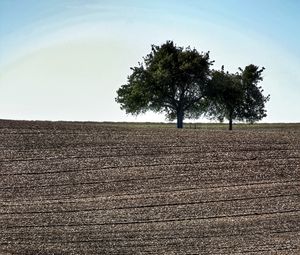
(171, 79)
(237, 96)
(225, 96)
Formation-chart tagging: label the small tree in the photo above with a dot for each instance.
(237, 96)
(253, 108)
(171, 79)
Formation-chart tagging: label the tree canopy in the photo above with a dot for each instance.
(237, 96)
(171, 79)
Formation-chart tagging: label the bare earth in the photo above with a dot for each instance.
(84, 188)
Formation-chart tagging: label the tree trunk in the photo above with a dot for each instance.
(230, 123)
(180, 115)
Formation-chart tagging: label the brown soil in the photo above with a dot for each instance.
(90, 188)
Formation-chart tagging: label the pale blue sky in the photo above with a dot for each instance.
(65, 59)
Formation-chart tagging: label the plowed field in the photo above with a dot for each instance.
(84, 188)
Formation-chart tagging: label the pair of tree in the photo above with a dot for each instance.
(180, 83)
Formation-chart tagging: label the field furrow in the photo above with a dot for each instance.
(92, 188)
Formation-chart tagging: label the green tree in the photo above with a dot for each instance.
(171, 79)
(237, 96)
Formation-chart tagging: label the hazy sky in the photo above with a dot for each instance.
(65, 59)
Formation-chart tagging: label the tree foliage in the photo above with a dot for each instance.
(171, 79)
(237, 96)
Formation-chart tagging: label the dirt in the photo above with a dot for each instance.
(90, 188)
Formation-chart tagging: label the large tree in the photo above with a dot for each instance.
(237, 96)
(170, 79)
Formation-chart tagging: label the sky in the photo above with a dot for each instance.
(65, 59)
